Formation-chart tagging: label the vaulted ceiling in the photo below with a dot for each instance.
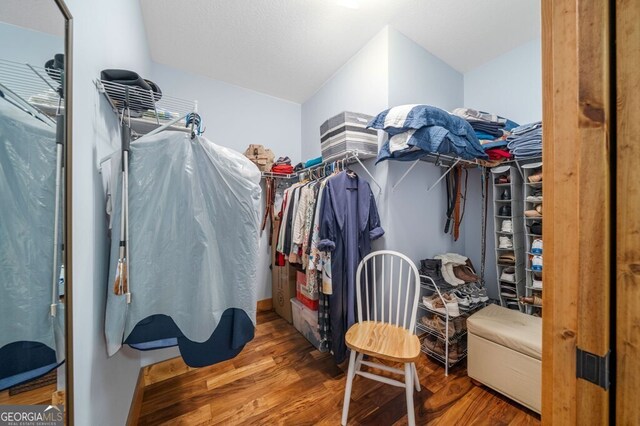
(289, 48)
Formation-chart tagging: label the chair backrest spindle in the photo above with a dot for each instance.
(389, 284)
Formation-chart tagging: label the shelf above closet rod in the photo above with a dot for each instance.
(35, 88)
(149, 111)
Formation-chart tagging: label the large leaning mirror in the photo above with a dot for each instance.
(34, 139)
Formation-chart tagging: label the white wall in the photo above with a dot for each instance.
(106, 35)
(28, 46)
(509, 85)
(418, 77)
(413, 218)
(233, 116)
(393, 70)
(361, 85)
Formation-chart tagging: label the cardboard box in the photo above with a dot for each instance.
(283, 282)
(283, 288)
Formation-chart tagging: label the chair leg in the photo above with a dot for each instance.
(347, 390)
(358, 363)
(415, 376)
(408, 381)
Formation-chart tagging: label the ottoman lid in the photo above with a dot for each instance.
(506, 327)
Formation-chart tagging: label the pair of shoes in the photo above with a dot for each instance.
(505, 211)
(432, 268)
(439, 325)
(507, 259)
(507, 226)
(513, 304)
(464, 300)
(503, 179)
(460, 324)
(536, 176)
(535, 196)
(436, 304)
(508, 274)
(535, 212)
(531, 300)
(506, 195)
(465, 273)
(535, 228)
(536, 246)
(505, 243)
(508, 292)
(436, 346)
(536, 284)
(536, 263)
(449, 260)
(478, 293)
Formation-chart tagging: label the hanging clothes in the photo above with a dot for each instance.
(31, 339)
(349, 222)
(194, 231)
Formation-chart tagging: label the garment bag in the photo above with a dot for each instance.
(28, 337)
(193, 245)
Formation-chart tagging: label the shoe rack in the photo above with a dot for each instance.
(509, 194)
(433, 337)
(530, 190)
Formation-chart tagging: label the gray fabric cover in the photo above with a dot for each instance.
(27, 192)
(194, 234)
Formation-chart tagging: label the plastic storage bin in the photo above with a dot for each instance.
(306, 322)
(348, 131)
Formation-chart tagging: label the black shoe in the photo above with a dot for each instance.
(504, 211)
(432, 269)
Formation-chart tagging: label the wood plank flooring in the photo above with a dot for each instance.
(281, 379)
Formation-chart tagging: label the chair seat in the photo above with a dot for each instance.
(384, 341)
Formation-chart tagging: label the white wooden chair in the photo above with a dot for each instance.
(385, 333)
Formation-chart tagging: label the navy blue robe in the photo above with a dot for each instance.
(349, 222)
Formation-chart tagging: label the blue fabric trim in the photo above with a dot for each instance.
(234, 330)
(9, 382)
(156, 344)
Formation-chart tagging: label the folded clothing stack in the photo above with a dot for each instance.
(526, 140)
(491, 129)
(283, 166)
(313, 162)
(417, 130)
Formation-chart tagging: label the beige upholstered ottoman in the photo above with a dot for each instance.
(505, 352)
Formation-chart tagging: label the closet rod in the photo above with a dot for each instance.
(348, 157)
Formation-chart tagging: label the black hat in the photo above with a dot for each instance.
(140, 89)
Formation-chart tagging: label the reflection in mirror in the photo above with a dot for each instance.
(32, 121)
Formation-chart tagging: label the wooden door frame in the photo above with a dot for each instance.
(627, 29)
(576, 61)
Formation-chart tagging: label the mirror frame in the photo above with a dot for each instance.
(68, 228)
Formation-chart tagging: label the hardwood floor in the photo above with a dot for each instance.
(280, 379)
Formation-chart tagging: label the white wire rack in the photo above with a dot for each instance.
(35, 88)
(148, 110)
